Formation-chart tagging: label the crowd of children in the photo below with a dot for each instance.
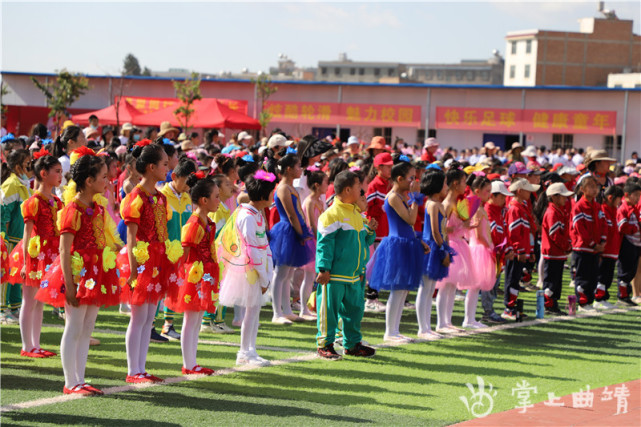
(307, 227)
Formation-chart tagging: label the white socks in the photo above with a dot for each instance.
(249, 329)
(305, 291)
(189, 337)
(394, 311)
(471, 302)
(138, 337)
(281, 291)
(424, 305)
(74, 347)
(445, 305)
(30, 319)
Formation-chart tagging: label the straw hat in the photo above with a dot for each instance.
(597, 155)
(166, 127)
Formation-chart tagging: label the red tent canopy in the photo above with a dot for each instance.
(208, 113)
(107, 116)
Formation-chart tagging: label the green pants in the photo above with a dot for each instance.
(168, 315)
(344, 300)
(218, 316)
(11, 296)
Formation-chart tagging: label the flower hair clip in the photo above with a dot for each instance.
(143, 142)
(404, 158)
(248, 158)
(43, 152)
(264, 176)
(46, 141)
(355, 169)
(199, 174)
(291, 150)
(313, 168)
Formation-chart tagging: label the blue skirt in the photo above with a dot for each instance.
(288, 248)
(397, 264)
(433, 264)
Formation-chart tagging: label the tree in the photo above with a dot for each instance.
(187, 91)
(3, 91)
(62, 93)
(131, 66)
(264, 89)
(146, 72)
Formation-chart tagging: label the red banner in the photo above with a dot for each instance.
(148, 105)
(528, 121)
(344, 114)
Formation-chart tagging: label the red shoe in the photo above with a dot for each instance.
(79, 389)
(33, 353)
(151, 378)
(46, 353)
(93, 389)
(198, 370)
(138, 378)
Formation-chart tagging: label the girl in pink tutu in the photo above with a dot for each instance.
(459, 273)
(483, 275)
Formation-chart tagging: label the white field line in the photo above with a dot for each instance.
(305, 356)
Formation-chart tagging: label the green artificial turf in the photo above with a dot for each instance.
(413, 384)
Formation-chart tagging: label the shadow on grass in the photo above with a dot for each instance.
(68, 419)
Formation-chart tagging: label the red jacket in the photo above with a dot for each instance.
(376, 192)
(613, 245)
(498, 228)
(519, 228)
(628, 223)
(588, 226)
(555, 238)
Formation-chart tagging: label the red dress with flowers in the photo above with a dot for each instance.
(199, 277)
(44, 241)
(4, 256)
(157, 257)
(93, 262)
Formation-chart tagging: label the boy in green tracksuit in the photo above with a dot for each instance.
(341, 254)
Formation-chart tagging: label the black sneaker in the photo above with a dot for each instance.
(170, 333)
(329, 353)
(493, 318)
(360, 350)
(156, 337)
(628, 301)
(555, 311)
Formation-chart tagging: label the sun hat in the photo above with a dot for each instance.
(558, 188)
(523, 184)
(499, 187)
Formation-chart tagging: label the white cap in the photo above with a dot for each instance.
(430, 142)
(278, 140)
(569, 170)
(499, 187)
(448, 163)
(558, 188)
(244, 135)
(524, 184)
(530, 151)
(352, 140)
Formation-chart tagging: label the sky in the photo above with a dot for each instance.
(210, 37)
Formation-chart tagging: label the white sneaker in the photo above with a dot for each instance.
(572, 285)
(586, 308)
(281, 321)
(250, 358)
(603, 305)
(397, 338)
(474, 325)
(222, 328)
(374, 306)
(479, 324)
(125, 309)
(308, 317)
(446, 330)
(7, 318)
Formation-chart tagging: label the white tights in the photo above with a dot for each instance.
(471, 301)
(74, 348)
(305, 291)
(138, 337)
(445, 305)
(249, 329)
(281, 291)
(239, 313)
(394, 311)
(424, 305)
(30, 319)
(189, 337)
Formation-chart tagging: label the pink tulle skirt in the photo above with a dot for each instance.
(461, 270)
(484, 271)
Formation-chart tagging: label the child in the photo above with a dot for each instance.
(148, 263)
(245, 253)
(176, 191)
(199, 292)
(555, 245)
(437, 260)
(376, 192)
(611, 201)
(628, 223)
(291, 242)
(84, 276)
(495, 208)
(460, 272)
(14, 191)
(313, 207)
(40, 214)
(588, 241)
(215, 321)
(341, 247)
(518, 222)
(482, 251)
(398, 259)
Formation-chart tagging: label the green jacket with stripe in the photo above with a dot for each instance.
(13, 192)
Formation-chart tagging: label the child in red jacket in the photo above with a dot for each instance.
(588, 241)
(611, 202)
(628, 223)
(518, 220)
(555, 245)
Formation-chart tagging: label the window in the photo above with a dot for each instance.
(361, 71)
(390, 72)
(513, 46)
(431, 133)
(439, 74)
(385, 133)
(562, 140)
(324, 70)
(337, 71)
(613, 151)
(512, 71)
(528, 46)
(352, 71)
(527, 71)
(471, 75)
(377, 72)
(420, 136)
(428, 74)
(459, 75)
(485, 75)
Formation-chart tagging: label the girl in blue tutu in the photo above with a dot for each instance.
(398, 260)
(291, 241)
(437, 261)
